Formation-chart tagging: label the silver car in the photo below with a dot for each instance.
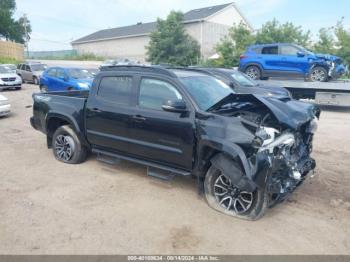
(8, 79)
(31, 72)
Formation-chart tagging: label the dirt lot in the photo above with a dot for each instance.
(51, 208)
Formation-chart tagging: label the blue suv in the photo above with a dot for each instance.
(63, 79)
(290, 60)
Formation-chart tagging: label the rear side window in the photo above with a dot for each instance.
(117, 89)
(270, 50)
(256, 50)
(154, 93)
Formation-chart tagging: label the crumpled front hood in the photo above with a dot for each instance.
(327, 57)
(289, 112)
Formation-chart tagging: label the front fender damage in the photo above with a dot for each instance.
(261, 142)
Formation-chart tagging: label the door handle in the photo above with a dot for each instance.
(138, 118)
(96, 110)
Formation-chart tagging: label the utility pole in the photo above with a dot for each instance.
(26, 33)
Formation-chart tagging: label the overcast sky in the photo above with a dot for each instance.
(56, 23)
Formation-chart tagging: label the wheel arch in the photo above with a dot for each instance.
(56, 120)
(253, 64)
(209, 150)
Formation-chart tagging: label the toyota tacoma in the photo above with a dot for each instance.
(248, 152)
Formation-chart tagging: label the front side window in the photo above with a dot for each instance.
(27, 68)
(270, 50)
(116, 89)
(289, 50)
(154, 93)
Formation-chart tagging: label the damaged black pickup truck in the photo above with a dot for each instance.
(248, 152)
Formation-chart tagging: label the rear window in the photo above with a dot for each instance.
(117, 89)
(270, 50)
(256, 50)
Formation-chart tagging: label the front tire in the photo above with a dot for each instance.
(223, 196)
(253, 72)
(43, 88)
(67, 147)
(319, 74)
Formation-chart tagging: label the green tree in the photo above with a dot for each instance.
(343, 41)
(233, 45)
(275, 32)
(10, 28)
(325, 43)
(170, 44)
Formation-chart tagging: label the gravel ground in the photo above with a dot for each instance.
(47, 207)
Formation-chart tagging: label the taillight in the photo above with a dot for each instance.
(242, 56)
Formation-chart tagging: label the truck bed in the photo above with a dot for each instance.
(70, 104)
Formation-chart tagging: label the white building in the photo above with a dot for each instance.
(207, 25)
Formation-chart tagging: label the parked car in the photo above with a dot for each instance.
(242, 84)
(5, 107)
(31, 72)
(10, 67)
(249, 152)
(290, 60)
(8, 79)
(61, 79)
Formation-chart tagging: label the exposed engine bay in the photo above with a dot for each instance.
(280, 151)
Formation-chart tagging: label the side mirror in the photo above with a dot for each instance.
(176, 106)
(300, 54)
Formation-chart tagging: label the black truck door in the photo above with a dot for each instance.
(108, 112)
(158, 135)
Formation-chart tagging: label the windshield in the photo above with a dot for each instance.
(243, 80)
(5, 70)
(79, 73)
(206, 91)
(38, 67)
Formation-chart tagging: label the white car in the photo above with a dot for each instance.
(5, 107)
(8, 79)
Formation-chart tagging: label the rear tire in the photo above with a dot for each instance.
(238, 203)
(35, 81)
(253, 72)
(67, 147)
